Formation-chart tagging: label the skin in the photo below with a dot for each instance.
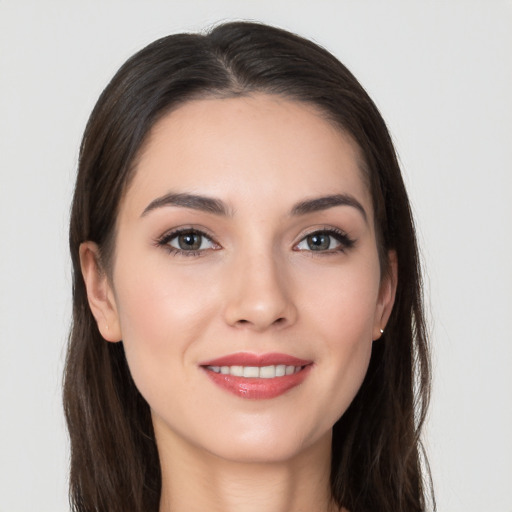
(254, 286)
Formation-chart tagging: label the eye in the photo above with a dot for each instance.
(189, 242)
(325, 241)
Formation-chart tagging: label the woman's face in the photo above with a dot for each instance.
(246, 249)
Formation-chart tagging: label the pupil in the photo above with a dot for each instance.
(189, 241)
(318, 242)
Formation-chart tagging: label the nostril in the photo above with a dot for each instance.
(278, 321)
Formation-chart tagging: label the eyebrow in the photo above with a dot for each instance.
(326, 202)
(218, 207)
(193, 201)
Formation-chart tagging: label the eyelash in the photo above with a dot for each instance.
(345, 242)
(164, 240)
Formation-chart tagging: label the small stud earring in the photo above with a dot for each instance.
(382, 331)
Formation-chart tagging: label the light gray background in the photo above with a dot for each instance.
(441, 73)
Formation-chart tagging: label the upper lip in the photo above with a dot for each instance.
(249, 359)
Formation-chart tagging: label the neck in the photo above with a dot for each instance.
(193, 480)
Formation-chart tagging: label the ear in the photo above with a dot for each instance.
(387, 294)
(99, 292)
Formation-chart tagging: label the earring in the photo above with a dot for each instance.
(382, 331)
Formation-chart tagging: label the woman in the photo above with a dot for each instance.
(240, 223)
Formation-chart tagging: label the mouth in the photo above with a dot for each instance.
(253, 376)
(256, 372)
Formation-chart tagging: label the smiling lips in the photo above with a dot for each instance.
(257, 376)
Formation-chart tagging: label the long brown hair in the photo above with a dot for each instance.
(376, 453)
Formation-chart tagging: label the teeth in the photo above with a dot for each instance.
(254, 372)
(237, 371)
(267, 372)
(289, 370)
(251, 371)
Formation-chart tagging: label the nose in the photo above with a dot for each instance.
(260, 294)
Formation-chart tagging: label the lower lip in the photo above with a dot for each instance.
(255, 388)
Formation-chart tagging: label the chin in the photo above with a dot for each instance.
(266, 444)
(270, 452)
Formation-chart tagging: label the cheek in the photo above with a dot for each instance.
(344, 303)
(161, 315)
(156, 300)
(342, 307)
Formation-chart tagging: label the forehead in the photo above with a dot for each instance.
(259, 146)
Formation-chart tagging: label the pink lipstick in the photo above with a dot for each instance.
(257, 376)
